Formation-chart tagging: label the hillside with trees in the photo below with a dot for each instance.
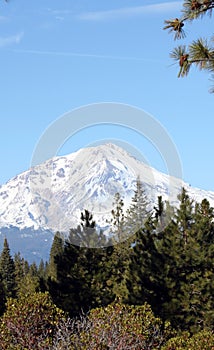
(148, 286)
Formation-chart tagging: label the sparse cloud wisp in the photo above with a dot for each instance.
(84, 55)
(10, 40)
(130, 11)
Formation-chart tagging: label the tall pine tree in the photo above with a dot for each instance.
(21, 269)
(2, 297)
(173, 269)
(79, 283)
(117, 222)
(118, 262)
(138, 211)
(57, 249)
(7, 270)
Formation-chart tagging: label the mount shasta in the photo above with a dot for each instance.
(50, 197)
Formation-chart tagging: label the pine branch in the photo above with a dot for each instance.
(181, 55)
(199, 53)
(175, 25)
(192, 9)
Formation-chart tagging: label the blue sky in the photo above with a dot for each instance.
(56, 56)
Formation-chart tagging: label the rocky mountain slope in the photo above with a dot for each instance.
(49, 197)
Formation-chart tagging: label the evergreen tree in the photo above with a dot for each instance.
(42, 269)
(43, 276)
(79, 283)
(87, 220)
(2, 297)
(86, 234)
(117, 271)
(184, 216)
(200, 287)
(31, 282)
(117, 222)
(159, 211)
(64, 287)
(168, 266)
(172, 270)
(21, 269)
(57, 249)
(7, 271)
(138, 210)
(148, 268)
(19, 273)
(193, 266)
(118, 262)
(163, 214)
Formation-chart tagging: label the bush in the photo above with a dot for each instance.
(29, 323)
(203, 340)
(120, 327)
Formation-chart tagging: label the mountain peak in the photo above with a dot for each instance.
(106, 149)
(52, 195)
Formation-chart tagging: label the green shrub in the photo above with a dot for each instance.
(29, 323)
(203, 340)
(120, 327)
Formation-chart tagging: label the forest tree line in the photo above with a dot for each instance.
(168, 267)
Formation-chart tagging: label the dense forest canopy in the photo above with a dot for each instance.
(162, 280)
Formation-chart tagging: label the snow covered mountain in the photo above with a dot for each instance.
(49, 197)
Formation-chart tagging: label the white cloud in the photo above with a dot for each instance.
(125, 12)
(10, 40)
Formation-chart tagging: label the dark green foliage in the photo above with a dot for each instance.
(42, 272)
(117, 272)
(159, 213)
(62, 287)
(30, 282)
(167, 264)
(173, 270)
(138, 211)
(79, 269)
(117, 263)
(2, 297)
(117, 221)
(42, 269)
(194, 266)
(29, 278)
(80, 282)
(148, 268)
(86, 235)
(184, 215)
(159, 210)
(7, 271)
(21, 269)
(202, 278)
(57, 249)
